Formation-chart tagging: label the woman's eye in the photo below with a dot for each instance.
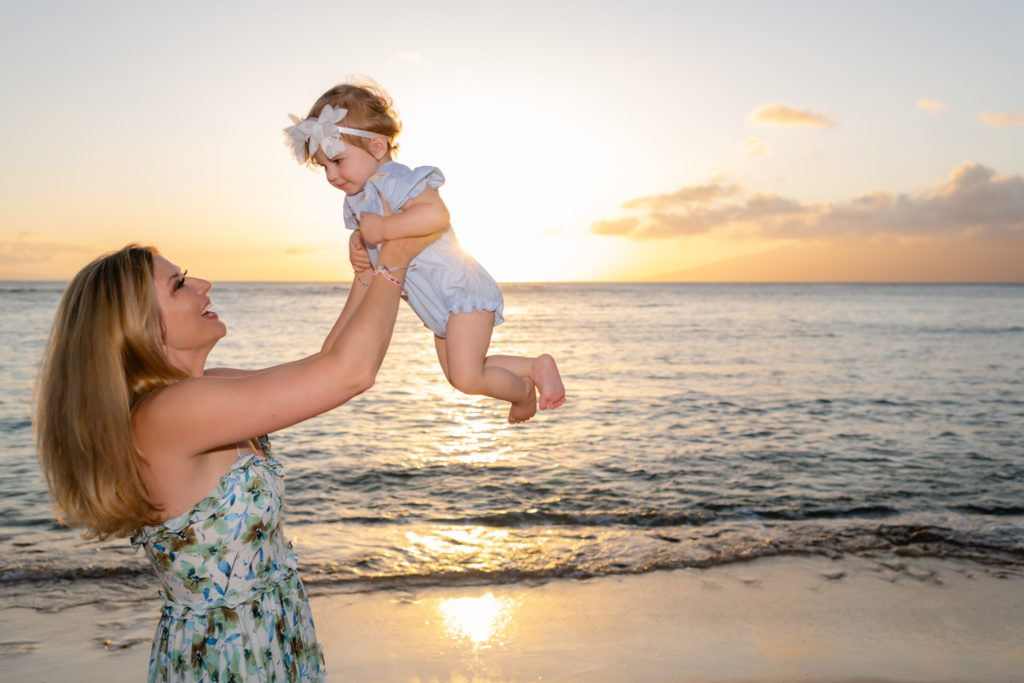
(180, 283)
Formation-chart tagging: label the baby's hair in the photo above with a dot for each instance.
(369, 108)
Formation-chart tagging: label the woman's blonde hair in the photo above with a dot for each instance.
(369, 108)
(104, 354)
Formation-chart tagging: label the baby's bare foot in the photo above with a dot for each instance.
(521, 411)
(549, 382)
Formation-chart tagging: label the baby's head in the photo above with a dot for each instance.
(369, 108)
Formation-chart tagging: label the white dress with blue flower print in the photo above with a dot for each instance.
(234, 607)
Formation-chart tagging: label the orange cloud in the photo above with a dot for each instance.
(694, 194)
(1003, 119)
(299, 251)
(931, 106)
(754, 147)
(972, 199)
(790, 117)
(621, 226)
(29, 247)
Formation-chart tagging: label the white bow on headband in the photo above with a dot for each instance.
(322, 132)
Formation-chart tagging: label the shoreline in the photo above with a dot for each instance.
(780, 618)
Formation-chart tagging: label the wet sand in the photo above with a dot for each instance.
(810, 619)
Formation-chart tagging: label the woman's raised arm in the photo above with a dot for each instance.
(198, 414)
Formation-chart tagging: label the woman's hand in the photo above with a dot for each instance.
(400, 253)
(372, 226)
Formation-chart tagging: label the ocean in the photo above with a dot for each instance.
(705, 424)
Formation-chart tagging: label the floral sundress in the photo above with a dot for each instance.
(234, 607)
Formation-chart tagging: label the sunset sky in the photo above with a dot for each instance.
(590, 140)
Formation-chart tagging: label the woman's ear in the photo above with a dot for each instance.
(379, 147)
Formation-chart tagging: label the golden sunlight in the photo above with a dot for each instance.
(459, 540)
(480, 620)
(469, 438)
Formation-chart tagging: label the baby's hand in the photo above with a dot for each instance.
(357, 255)
(372, 227)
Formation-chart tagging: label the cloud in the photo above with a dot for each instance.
(28, 247)
(931, 106)
(790, 117)
(1003, 119)
(298, 251)
(694, 194)
(409, 57)
(754, 147)
(553, 231)
(972, 199)
(620, 226)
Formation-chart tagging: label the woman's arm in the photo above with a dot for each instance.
(228, 372)
(363, 270)
(356, 293)
(198, 414)
(423, 214)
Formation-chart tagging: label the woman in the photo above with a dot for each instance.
(135, 437)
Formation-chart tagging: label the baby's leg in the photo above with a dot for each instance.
(442, 356)
(542, 370)
(465, 350)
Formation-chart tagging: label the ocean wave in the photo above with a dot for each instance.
(438, 555)
(607, 508)
(46, 287)
(995, 510)
(650, 518)
(587, 555)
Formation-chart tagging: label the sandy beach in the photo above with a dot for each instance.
(854, 619)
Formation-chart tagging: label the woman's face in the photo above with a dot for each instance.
(190, 328)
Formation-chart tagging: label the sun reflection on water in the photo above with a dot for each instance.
(461, 429)
(458, 548)
(470, 434)
(483, 620)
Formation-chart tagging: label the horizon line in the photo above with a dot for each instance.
(624, 282)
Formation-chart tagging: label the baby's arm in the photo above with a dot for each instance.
(423, 214)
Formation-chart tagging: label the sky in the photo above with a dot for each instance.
(641, 140)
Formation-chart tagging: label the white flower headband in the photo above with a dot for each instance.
(322, 132)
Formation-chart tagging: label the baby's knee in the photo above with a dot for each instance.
(466, 381)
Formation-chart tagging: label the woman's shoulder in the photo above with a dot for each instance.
(155, 415)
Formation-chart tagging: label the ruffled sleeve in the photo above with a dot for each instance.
(395, 184)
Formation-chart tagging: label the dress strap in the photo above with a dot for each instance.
(262, 442)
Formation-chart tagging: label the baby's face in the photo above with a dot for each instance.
(349, 170)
